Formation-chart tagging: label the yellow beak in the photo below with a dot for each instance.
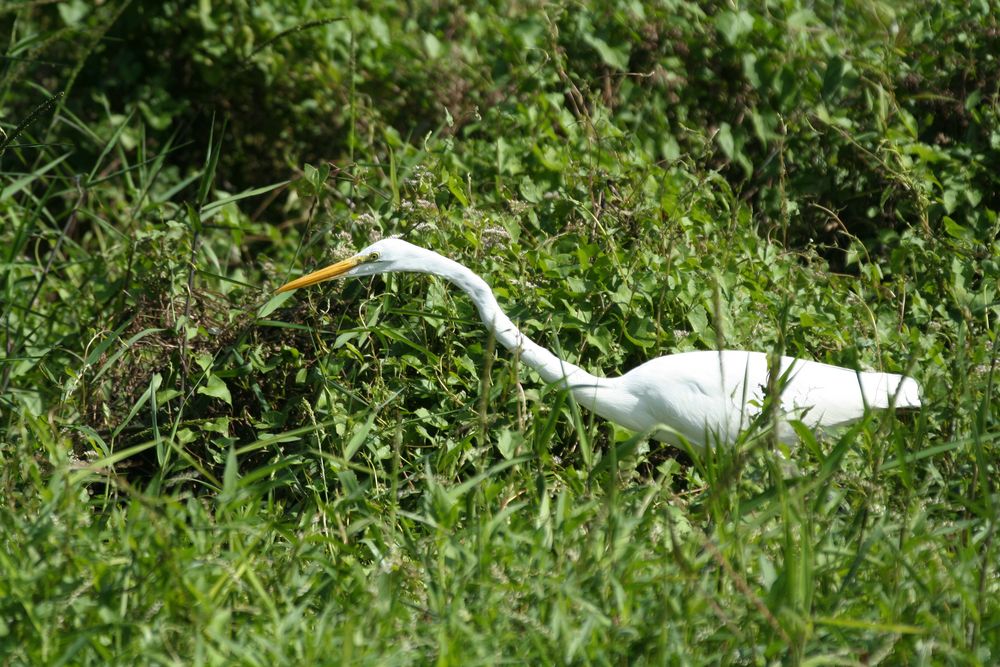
(329, 272)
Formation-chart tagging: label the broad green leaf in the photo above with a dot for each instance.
(733, 25)
(616, 57)
(216, 388)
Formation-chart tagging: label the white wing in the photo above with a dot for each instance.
(711, 396)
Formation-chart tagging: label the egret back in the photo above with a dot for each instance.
(710, 396)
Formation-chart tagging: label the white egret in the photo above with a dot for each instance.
(705, 397)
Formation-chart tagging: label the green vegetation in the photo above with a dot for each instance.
(194, 472)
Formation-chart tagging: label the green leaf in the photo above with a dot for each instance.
(220, 426)
(432, 45)
(274, 303)
(216, 388)
(211, 207)
(698, 317)
(508, 443)
(73, 12)
(154, 384)
(726, 142)
(616, 57)
(456, 187)
(194, 220)
(950, 200)
(231, 474)
(26, 180)
(359, 437)
(531, 191)
(833, 77)
(211, 161)
(733, 25)
(204, 360)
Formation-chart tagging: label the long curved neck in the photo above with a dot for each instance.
(548, 365)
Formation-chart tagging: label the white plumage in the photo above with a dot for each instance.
(704, 397)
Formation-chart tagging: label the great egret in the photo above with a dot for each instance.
(704, 397)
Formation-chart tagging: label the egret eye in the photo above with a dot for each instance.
(372, 257)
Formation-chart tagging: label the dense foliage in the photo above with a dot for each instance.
(193, 471)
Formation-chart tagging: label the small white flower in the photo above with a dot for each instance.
(493, 237)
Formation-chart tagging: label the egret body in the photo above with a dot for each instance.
(704, 397)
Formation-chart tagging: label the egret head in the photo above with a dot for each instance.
(380, 257)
